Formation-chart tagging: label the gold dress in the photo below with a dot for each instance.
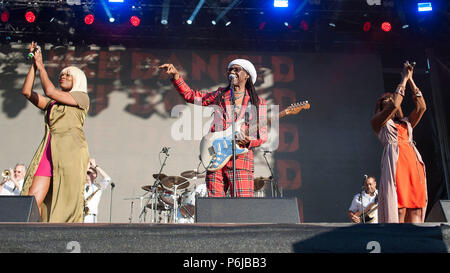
(70, 158)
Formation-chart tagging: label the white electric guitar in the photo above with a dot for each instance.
(216, 147)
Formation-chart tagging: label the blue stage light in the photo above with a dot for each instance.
(115, 1)
(281, 3)
(424, 6)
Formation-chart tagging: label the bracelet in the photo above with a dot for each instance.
(400, 90)
(417, 92)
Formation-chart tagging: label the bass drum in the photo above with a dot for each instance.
(186, 211)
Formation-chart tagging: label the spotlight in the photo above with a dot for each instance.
(424, 6)
(228, 23)
(196, 10)
(213, 22)
(281, 3)
(89, 19)
(5, 16)
(164, 22)
(30, 16)
(367, 26)
(135, 21)
(386, 26)
(304, 25)
(332, 24)
(262, 25)
(111, 19)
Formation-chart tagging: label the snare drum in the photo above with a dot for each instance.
(166, 198)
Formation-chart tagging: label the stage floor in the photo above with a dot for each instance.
(224, 238)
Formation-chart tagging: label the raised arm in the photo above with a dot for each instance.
(391, 105)
(189, 95)
(49, 89)
(419, 101)
(27, 90)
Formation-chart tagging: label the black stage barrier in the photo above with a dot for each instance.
(247, 210)
(440, 212)
(19, 209)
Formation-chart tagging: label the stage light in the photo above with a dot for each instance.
(165, 12)
(5, 16)
(228, 23)
(30, 16)
(405, 26)
(115, 1)
(194, 13)
(386, 26)
(262, 25)
(332, 24)
(373, 2)
(112, 20)
(189, 22)
(89, 19)
(226, 10)
(304, 25)
(135, 21)
(367, 26)
(424, 6)
(213, 22)
(281, 3)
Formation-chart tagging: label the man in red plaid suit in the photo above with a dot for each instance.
(244, 78)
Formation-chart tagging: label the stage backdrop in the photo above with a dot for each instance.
(320, 155)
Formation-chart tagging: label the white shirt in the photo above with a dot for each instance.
(366, 201)
(92, 204)
(9, 188)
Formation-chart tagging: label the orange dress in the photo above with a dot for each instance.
(410, 175)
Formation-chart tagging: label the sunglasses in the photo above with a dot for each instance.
(235, 69)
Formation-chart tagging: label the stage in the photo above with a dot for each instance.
(224, 238)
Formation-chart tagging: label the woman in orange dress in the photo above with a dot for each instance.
(403, 187)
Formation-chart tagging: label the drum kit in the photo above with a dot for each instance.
(173, 199)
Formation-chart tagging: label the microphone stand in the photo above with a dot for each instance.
(362, 206)
(110, 201)
(273, 181)
(155, 186)
(233, 140)
(361, 198)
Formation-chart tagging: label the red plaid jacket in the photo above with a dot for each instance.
(222, 117)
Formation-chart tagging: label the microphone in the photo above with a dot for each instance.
(112, 185)
(31, 54)
(413, 64)
(231, 77)
(165, 150)
(364, 183)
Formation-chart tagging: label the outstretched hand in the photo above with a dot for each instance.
(170, 70)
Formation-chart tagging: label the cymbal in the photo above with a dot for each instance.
(192, 174)
(171, 181)
(157, 206)
(259, 182)
(161, 176)
(136, 198)
(150, 188)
